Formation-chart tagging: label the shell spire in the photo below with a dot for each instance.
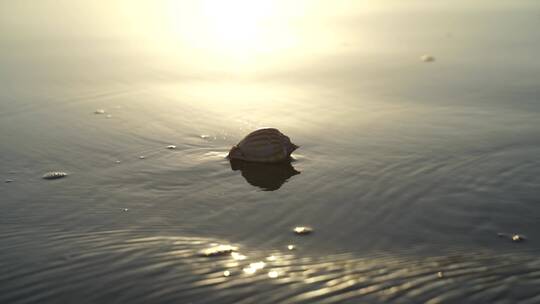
(266, 145)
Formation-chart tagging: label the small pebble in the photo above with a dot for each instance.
(273, 274)
(141, 157)
(99, 111)
(9, 181)
(440, 274)
(427, 58)
(226, 273)
(301, 230)
(54, 175)
(125, 209)
(171, 147)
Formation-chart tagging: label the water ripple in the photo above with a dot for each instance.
(127, 266)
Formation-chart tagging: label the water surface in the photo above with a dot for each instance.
(408, 170)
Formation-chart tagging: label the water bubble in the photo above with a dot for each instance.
(125, 209)
(142, 157)
(117, 161)
(99, 111)
(440, 274)
(291, 247)
(9, 181)
(171, 147)
(226, 273)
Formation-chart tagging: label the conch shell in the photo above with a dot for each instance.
(267, 145)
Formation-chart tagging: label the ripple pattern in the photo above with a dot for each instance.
(129, 267)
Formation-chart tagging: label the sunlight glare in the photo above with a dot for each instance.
(238, 31)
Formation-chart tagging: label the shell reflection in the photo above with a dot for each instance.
(268, 177)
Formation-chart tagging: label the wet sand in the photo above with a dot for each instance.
(406, 171)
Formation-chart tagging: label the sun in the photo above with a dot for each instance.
(232, 25)
(239, 32)
(236, 36)
(236, 23)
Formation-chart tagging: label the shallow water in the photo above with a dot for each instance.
(407, 169)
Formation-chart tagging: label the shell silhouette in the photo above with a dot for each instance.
(267, 145)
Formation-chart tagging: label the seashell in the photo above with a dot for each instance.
(267, 145)
(302, 230)
(514, 237)
(518, 238)
(54, 175)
